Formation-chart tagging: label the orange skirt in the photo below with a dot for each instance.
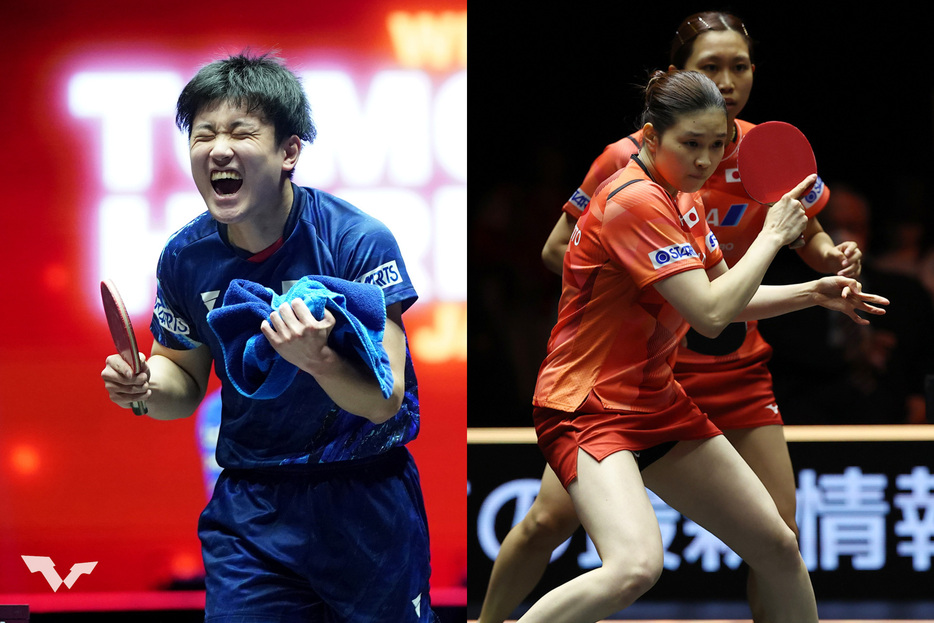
(732, 398)
(600, 432)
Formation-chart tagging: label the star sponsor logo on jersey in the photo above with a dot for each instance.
(383, 276)
(168, 319)
(579, 199)
(675, 253)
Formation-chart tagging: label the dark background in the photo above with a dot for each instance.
(556, 84)
(894, 581)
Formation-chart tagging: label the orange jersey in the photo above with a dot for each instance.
(616, 336)
(732, 215)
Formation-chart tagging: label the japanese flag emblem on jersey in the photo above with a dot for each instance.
(690, 218)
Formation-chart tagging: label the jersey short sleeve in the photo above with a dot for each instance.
(639, 233)
(613, 158)
(174, 321)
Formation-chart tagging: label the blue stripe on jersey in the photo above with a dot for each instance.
(734, 215)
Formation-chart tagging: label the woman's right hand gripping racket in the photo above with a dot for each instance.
(773, 158)
(122, 332)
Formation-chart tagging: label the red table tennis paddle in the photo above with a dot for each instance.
(121, 329)
(773, 158)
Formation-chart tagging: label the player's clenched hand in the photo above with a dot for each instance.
(845, 295)
(847, 259)
(299, 337)
(122, 385)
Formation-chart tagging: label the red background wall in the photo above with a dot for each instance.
(80, 479)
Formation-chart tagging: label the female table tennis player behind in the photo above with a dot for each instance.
(728, 377)
(642, 264)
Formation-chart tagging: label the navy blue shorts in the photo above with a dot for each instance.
(338, 544)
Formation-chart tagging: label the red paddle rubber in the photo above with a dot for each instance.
(121, 330)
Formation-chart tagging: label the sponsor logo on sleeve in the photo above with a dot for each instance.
(668, 255)
(383, 276)
(168, 319)
(579, 199)
(814, 194)
(712, 242)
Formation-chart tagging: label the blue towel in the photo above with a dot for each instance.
(258, 371)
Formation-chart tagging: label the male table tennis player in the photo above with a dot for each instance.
(318, 514)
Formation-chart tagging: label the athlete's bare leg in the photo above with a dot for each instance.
(765, 450)
(614, 508)
(710, 483)
(526, 550)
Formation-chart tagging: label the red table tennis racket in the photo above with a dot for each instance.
(773, 158)
(121, 329)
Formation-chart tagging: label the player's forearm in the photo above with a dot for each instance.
(815, 252)
(771, 301)
(552, 257)
(557, 244)
(175, 393)
(359, 393)
(731, 292)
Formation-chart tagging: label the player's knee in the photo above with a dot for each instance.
(793, 526)
(548, 527)
(787, 511)
(645, 574)
(630, 581)
(779, 552)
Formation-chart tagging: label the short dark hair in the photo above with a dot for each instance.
(671, 94)
(260, 84)
(682, 46)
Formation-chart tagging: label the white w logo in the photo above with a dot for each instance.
(45, 566)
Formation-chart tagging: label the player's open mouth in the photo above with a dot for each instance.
(226, 182)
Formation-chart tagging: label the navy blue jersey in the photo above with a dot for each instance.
(324, 235)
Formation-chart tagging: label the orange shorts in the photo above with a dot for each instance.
(732, 398)
(600, 432)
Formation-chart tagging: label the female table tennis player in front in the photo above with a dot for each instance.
(728, 377)
(642, 265)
